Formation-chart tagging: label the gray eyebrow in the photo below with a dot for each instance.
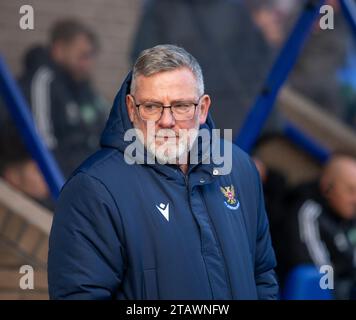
(173, 101)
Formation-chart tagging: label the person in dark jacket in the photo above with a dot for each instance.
(19, 170)
(229, 45)
(275, 190)
(321, 229)
(162, 229)
(67, 111)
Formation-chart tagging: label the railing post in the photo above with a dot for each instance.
(23, 119)
(349, 10)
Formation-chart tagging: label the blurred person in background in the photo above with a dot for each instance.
(272, 17)
(321, 228)
(68, 112)
(19, 170)
(235, 41)
(315, 74)
(275, 192)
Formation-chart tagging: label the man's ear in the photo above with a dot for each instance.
(130, 107)
(204, 108)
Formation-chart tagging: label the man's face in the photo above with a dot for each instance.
(166, 88)
(342, 194)
(268, 20)
(77, 56)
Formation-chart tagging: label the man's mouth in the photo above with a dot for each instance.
(165, 137)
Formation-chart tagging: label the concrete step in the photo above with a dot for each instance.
(24, 231)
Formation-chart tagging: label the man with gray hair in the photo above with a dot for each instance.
(154, 214)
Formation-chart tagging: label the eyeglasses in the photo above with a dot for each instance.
(152, 111)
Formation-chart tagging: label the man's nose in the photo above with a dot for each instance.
(167, 120)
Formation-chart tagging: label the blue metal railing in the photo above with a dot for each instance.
(349, 10)
(21, 114)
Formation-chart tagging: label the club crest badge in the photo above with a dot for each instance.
(230, 198)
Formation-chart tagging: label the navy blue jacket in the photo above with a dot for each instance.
(147, 231)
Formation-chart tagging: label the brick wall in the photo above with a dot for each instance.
(114, 21)
(24, 232)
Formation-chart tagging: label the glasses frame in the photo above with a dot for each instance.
(166, 107)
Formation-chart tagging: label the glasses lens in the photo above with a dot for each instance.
(183, 111)
(150, 111)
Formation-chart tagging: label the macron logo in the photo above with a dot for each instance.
(164, 209)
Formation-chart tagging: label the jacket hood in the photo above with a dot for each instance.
(119, 121)
(35, 57)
